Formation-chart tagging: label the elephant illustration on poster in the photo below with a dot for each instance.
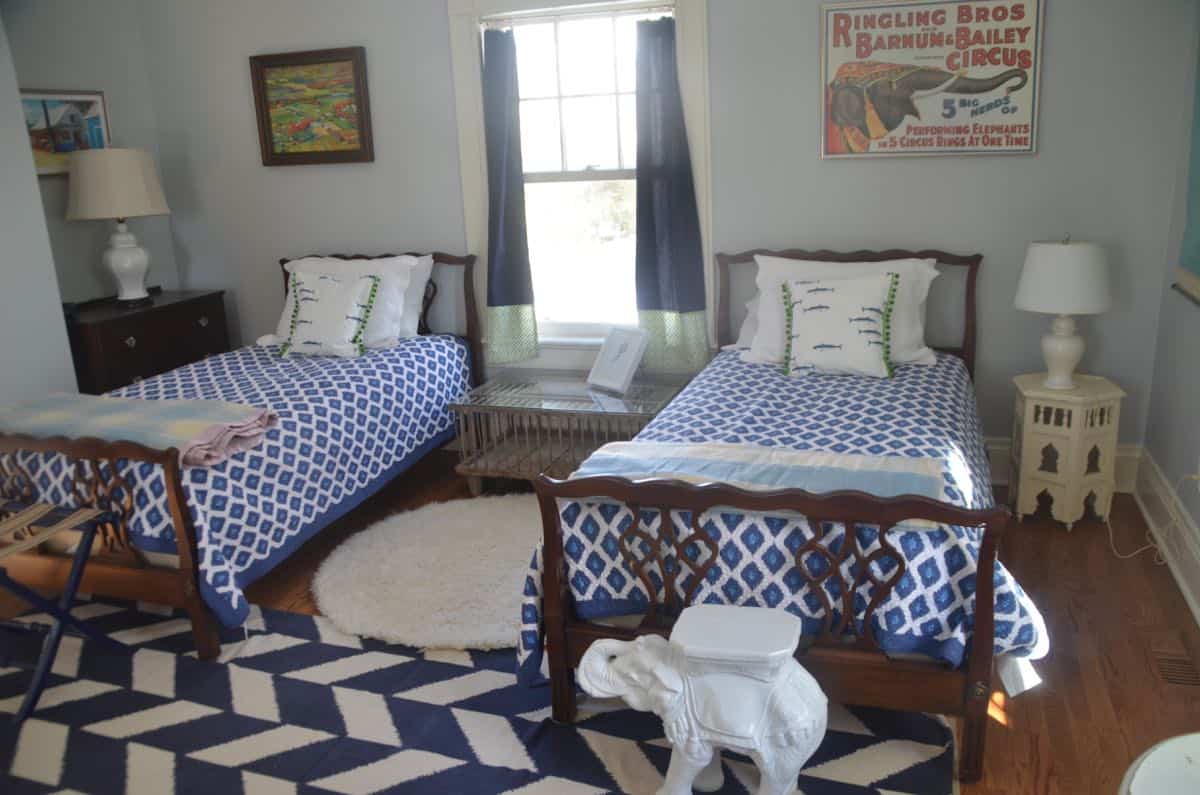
(866, 100)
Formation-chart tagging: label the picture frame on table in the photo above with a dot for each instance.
(618, 360)
(313, 107)
(61, 122)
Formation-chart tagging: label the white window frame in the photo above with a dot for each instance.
(576, 348)
(611, 11)
(574, 333)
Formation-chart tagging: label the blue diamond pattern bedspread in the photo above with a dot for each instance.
(925, 411)
(346, 427)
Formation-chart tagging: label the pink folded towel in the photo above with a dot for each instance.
(218, 442)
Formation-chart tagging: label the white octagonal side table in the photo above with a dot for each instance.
(1064, 444)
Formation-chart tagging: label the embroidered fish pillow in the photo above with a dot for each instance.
(839, 326)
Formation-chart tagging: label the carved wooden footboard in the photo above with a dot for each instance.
(117, 569)
(844, 656)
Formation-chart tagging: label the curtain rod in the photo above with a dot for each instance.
(587, 10)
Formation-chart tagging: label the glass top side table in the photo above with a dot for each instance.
(521, 425)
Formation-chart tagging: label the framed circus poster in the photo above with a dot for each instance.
(930, 77)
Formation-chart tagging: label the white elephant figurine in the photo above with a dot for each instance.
(776, 718)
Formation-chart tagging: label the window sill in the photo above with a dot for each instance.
(571, 343)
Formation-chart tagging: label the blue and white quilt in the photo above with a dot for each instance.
(346, 427)
(923, 412)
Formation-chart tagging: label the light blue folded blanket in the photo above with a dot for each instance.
(205, 432)
(758, 468)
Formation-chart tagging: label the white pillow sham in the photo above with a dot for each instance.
(398, 291)
(331, 313)
(839, 325)
(749, 327)
(414, 295)
(908, 317)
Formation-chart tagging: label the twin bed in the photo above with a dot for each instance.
(894, 613)
(196, 537)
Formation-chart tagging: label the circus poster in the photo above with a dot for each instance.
(924, 77)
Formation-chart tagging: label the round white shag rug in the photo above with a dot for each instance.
(446, 575)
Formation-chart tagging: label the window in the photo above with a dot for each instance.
(577, 76)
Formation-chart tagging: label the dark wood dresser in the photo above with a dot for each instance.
(115, 346)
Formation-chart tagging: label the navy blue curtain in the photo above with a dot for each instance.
(670, 258)
(512, 325)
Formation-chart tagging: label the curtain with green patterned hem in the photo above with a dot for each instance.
(512, 334)
(678, 341)
(511, 323)
(670, 259)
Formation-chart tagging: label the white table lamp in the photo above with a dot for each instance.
(1063, 279)
(118, 184)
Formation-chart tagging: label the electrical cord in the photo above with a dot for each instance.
(1159, 558)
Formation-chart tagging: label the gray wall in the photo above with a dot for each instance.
(78, 45)
(1109, 143)
(34, 356)
(1173, 432)
(233, 217)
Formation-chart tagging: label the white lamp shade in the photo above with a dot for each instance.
(1066, 278)
(114, 183)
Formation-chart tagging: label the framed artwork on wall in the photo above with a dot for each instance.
(313, 107)
(61, 122)
(1187, 275)
(930, 77)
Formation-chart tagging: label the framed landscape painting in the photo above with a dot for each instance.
(313, 107)
(61, 122)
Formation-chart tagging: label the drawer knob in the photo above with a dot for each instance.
(203, 321)
(131, 342)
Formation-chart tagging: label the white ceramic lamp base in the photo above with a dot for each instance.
(1062, 350)
(128, 263)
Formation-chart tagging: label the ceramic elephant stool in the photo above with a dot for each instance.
(726, 679)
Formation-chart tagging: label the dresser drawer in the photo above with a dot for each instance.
(114, 346)
(128, 351)
(197, 330)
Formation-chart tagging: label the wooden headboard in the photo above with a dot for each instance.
(473, 334)
(965, 349)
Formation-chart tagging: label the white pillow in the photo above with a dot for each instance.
(414, 295)
(388, 321)
(908, 321)
(839, 325)
(331, 313)
(749, 327)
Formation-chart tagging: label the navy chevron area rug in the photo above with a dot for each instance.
(295, 706)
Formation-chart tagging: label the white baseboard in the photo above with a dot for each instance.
(1173, 527)
(1129, 457)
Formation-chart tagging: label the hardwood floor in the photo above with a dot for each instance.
(1102, 702)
